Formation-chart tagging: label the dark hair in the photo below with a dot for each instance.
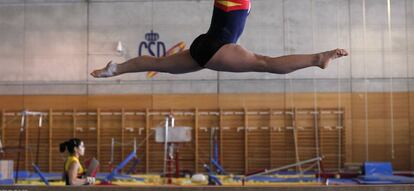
(70, 145)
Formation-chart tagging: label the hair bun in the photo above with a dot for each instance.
(62, 146)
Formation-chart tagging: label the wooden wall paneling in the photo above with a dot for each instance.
(156, 150)
(196, 141)
(74, 122)
(251, 101)
(12, 125)
(62, 129)
(246, 141)
(108, 102)
(208, 122)
(86, 129)
(287, 136)
(342, 138)
(31, 146)
(301, 100)
(11, 102)
(3, 124)
(26, 144)
(11, 130)
(110, 127)
(401, 125)
(305, 134)
(295, 138)
(3, 131)
(183, 101)
(401, 144)
(98, 136)
(360, 136)
(203, 139)
(310, 133)
(122, 131)
(322, 124)
(221, 135)
(411, 125)
(129, 133)
(233, 141)
(186, 118)
(329, 140)
(43, 156)
(259, 143)
(57, 102)
(378, 123)
(285, 148)
(354, 123)
(317, 117)
(347, 131)
(330, 136)
(270, 138)
(147, 137)
(282, 143)
(379, 126)
(50, 114)
(336, 101)
(135, 130)
(389, 128)
(176, 119)
(359, 143)
(142, 140)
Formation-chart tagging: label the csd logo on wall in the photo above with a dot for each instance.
(153, 47)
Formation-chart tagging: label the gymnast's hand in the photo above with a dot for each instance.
(90, 180)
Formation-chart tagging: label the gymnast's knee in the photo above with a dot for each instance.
(262, 63)
(267, 64)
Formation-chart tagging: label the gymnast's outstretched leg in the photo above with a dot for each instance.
(235, 58)
(179, 63)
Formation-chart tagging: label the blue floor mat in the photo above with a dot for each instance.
(384, 179)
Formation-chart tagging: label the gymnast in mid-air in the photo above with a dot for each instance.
(218, 50)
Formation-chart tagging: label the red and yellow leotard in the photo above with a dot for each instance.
(229, 18)
(227, 24)
(232, 5)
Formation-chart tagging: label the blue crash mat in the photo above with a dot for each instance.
(384, 179)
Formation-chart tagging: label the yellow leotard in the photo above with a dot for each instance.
(71, 159)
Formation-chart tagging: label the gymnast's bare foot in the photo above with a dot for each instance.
(108, 71)
(326, 57)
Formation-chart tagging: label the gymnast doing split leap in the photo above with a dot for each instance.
(217, 50)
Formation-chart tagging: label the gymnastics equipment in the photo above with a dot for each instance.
(24, 115)
(40, 174)
(212, 180)
(317, 159)
(171, 136)
(121, 165)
